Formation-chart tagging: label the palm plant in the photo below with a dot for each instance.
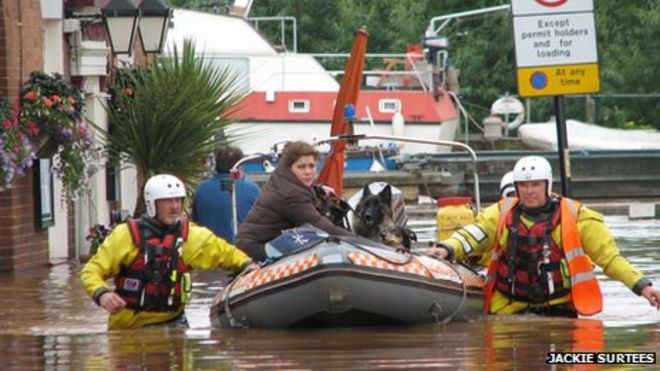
(166, 118)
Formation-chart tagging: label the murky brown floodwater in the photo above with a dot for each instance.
(47, 322)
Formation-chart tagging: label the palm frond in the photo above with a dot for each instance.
(170, 122)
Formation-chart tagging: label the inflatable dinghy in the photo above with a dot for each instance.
(339, 281)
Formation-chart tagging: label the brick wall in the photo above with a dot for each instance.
(21, 245)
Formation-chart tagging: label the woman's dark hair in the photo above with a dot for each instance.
(295, 150)
(226, 157)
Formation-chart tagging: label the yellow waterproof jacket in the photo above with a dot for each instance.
(202, 250)
(478, 239)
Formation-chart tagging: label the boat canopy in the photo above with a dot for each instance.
(588, 137)
(233, 42)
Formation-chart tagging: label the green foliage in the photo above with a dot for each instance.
(628, 35)
(629, 48)
(628, 42)
(165, 119)
(637, 126)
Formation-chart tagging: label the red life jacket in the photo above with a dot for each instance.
(153, 281)
(585, 292)
(531, 260)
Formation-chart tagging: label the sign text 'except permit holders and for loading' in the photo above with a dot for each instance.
(555, 44)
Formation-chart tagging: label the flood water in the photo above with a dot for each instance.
(47, 322)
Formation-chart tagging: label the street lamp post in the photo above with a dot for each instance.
(154, 22)
(121, 20)
(124, 19)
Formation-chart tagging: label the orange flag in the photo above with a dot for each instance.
(333, 169)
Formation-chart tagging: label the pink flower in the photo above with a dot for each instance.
(71, 100)
(33, 128)
(31, 95)
(6, 124)
(47, 101)
(55, 98)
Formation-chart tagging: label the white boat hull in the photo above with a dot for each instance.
(582, 136)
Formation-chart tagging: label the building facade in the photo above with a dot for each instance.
(42, 35)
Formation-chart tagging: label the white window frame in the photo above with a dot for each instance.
(382, 105)
(304, 109)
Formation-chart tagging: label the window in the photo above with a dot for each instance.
(298, 106)
(43, 194)
(389, 105)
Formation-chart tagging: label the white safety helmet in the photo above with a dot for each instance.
(159, 187)
(506, 184)
(533, 168)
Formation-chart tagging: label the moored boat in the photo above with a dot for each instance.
(292, 96)
(348, 282)
(586, 136)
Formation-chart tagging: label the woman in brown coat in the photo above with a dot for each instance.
(286, 201)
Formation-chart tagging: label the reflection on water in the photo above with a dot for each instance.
(48, 322)
(494, 343)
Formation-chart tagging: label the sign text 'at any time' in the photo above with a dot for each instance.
(555, 44)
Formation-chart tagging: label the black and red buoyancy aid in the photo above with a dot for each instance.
(531, 259)
(153, 281)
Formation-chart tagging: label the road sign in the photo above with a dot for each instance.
(555, 44)
(527, 7)
(558, 80)
(547, 40)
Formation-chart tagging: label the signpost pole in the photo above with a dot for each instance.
(562, 147)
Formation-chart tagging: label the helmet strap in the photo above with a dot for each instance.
(539, 213)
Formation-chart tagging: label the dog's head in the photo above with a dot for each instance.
(399, 237)
(373, 210)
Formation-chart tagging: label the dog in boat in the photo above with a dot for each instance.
(373, 218)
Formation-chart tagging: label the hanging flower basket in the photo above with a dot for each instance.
(51, 112)
(15, 149)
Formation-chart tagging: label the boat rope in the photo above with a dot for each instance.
(463, 288)
(463, 297)
(355, 244)
(465, 113)
(233, 323)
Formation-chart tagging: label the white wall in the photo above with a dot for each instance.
(54, 63)
(289, 72)
(128, 188)
(92, 208)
